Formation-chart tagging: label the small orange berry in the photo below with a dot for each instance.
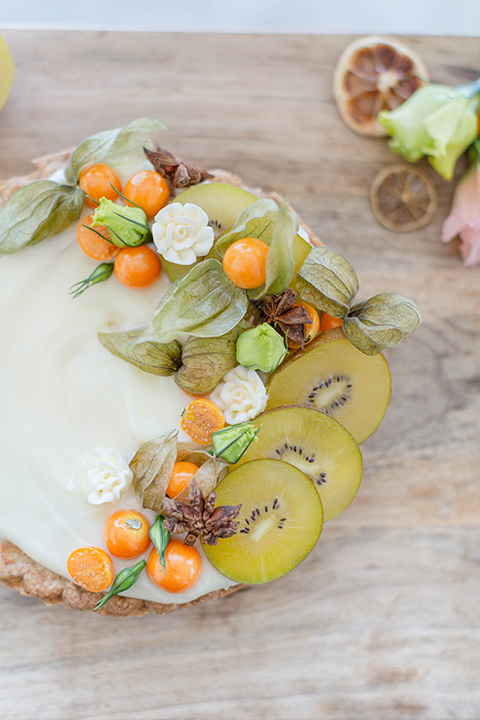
(126, 534)
(182, 567)
(137, 267)
(310, 329)
(327, 322)
(92, 245)
(181, 474)
(244, 262)
(91, 568)
(95, 181)
(149, 190)
(201, 419)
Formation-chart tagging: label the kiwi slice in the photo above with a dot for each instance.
(280, 521)
(331, 375)
(223, 204)
(318, 446)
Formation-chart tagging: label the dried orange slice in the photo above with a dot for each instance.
(403, 198)
(373, 74)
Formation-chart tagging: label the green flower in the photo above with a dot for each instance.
(437, 121)
(127, 225)
(232, 442)
(261, 348)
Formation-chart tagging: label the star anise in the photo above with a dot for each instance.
(181, 174)
(200, 518)
(281, 312)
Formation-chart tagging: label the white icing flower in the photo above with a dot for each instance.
(241, 395)
(108, 474)
(182, 233)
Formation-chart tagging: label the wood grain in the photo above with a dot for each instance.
(381, 621)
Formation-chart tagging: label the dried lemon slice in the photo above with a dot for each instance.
(403, 198)
(373, 74)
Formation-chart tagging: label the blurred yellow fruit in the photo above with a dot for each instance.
(7, 71)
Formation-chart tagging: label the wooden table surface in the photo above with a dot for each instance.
(382, 621)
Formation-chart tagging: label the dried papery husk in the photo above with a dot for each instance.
(211, 471)
(152, 467)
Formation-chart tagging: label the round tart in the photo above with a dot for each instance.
(127, 407)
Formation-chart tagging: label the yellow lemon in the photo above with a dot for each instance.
(7, 72)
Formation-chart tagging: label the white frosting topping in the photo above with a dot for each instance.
(108, 474)
(63, 394)
(241, 395)
(182, 234)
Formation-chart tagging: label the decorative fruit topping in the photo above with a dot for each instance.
(137, 267)
(316, 445)
(310, 328)
(403, 198)
(373, 74)
(181, 474)
(126, 534)
(280, 521)
(148, 190)
(202, 418)
(182, 567)
(245, 262)
(91, 568)
(96, 182)
(333, 376)
(328, 322)
(101, 273)
(94, 240)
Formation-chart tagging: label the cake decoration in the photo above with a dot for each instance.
(108, 475)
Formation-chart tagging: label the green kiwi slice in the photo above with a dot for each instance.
(331, 375)
(280, 521)
(315, 444)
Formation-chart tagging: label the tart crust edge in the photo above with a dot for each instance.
(17, 569)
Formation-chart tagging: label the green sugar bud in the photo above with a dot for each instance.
(231, 442)
(261, 348)
(127, 226)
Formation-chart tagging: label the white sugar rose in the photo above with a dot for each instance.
(108, 474)
(241, 395)
(182, 234)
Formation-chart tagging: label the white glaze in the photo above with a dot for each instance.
(63, 394)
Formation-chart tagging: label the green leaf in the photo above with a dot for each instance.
(152, 468)
(204, 303)
(152, 357)
(381, 322)
(124, 581)
(205, 362)
(122, 145)
(327, 281)
(160, 537)
(37, 211)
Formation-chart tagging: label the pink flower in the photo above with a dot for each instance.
(464, 218)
